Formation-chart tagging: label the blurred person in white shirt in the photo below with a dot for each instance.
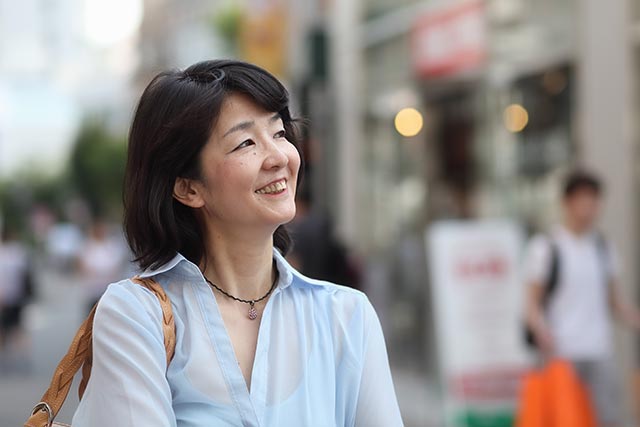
(569, 310)
(63, 245)
(102, 260)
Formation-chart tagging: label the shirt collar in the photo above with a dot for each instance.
(285, 271)
(169, 265)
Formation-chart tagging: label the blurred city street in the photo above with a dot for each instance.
(470, 165)
(49, 326)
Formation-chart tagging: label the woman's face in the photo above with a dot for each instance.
(249, 169)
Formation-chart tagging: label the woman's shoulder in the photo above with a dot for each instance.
(337, 298)
(127, 299)
(323, 286)
(313, 286)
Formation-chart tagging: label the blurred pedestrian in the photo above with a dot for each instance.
(102, 260)
(16, 288)
(211, 178)
(63, 245)
(316, 251)
(573, 291)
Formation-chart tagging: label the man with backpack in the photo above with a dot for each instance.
(572, 276)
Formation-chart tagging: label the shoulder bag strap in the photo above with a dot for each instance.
(80, 354)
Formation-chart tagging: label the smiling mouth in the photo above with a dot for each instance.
(275, 188)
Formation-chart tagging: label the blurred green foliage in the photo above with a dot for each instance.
(96, 168)
(94, 174)
(20, 195)
(226, 22)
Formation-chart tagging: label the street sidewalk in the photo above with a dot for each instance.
(420, 403)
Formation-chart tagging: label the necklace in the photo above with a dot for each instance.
(253, 313)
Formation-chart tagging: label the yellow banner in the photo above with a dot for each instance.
(263, 39)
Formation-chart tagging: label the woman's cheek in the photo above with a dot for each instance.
(294, 159)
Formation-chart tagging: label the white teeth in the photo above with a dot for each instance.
(273, 188)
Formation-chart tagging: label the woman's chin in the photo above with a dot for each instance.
(268, 217)
(285, 219)
(282, 217)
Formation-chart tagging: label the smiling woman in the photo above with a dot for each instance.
(213, 168)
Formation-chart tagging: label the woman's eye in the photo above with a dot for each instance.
(244, 144)
(280, 134)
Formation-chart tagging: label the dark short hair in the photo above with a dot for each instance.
(172, 123)
(581, 180)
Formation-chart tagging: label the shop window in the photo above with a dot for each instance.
(545, 143)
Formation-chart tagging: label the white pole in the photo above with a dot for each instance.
(346, 76)
(605, 114)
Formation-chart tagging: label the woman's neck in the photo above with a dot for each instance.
(241, 265)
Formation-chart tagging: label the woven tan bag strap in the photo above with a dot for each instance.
(80, 354)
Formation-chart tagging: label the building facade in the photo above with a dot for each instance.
(534, 89)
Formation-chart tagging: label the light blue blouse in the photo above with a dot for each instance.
(320, 358)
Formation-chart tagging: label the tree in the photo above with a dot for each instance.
(97, 168)
(226, 21)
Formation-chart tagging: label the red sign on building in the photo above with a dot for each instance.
(450, 40)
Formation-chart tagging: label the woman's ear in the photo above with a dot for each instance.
(186, 192)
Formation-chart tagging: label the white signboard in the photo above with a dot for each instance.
(450, 39)
(478, 299)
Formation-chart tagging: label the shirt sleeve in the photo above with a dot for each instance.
(537, 260)
(377, 404)
(128, 386)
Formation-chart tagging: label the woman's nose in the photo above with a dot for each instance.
(276, 156)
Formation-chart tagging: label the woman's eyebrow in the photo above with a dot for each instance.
(249, 123)
(239, 126)
(275, 118)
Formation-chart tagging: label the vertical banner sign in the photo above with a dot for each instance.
(478, 301)
(263, 35)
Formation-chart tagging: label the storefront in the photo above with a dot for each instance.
(496, 91)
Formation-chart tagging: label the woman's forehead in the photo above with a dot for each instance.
(238, 109)
(240, 103)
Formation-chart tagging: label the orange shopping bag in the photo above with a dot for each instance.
(554, 397)
(532, 409)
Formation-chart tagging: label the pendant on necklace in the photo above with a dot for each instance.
(253, 313)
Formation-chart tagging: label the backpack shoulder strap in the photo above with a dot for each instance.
(604, 253)
(80, 354)
(551, 287)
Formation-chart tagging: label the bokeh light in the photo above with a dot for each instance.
(408, 122)
(516, 118)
